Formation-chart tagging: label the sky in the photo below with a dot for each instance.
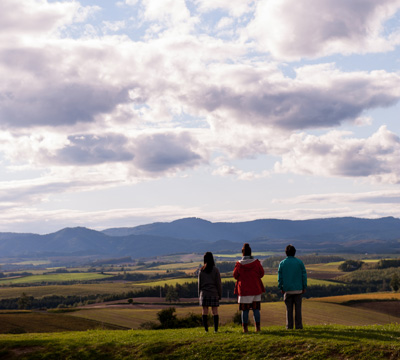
(122, 113)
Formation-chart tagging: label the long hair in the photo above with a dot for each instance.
(208, 262)
(246, 250)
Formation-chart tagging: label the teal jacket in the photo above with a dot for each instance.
(292, 275)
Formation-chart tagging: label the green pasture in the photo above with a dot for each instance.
(53, 278)
(316, 342)
(65, 290)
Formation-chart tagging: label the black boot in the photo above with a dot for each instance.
(216, 321)
(205, 322)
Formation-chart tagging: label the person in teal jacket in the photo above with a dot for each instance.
(292, 280)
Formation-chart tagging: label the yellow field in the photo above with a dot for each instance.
(54, 278)
(328, 267)
(179, 266)
(358, 297)
(314, 313)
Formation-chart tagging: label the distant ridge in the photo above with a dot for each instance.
(346, 234)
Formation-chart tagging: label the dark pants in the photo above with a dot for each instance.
(293, 301)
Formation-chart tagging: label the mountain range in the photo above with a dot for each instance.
(332, 235)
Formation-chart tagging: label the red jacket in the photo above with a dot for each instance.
(248, 275)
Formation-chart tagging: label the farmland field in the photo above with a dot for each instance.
(65, 290)
(314, 313)
(53, 278)
(359, 297)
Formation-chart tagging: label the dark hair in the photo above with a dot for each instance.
(290, 250)
(246, 250)
(208, 262)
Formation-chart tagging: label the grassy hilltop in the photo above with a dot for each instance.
(316, 342)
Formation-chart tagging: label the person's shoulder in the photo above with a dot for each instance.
(283, 261)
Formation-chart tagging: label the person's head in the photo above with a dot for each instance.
(208, 262)
(290, 250)
(246, 250)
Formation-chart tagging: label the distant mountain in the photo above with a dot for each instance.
(335, 229)
(198, 235)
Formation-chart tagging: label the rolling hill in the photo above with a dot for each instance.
(336, 235)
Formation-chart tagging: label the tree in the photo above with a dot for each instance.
(171, 295)
(25, 301)
(167, 318)
(395, 283)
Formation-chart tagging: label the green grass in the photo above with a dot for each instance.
(65, 290)
(317, 342)
(38, 322)
(53, 278)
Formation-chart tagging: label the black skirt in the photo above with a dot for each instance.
(209, 301)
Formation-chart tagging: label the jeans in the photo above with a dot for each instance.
(245, 316)
(293, 301)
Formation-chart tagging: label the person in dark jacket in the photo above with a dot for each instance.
(249, 287)
(210, 290)
(292, 280)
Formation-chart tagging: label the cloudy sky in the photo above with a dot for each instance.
(121, 113)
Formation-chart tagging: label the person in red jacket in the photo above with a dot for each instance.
(249, 287)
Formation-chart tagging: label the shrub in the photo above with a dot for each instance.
(169, 320)
(350, 265)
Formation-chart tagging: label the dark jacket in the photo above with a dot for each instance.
(210, 283)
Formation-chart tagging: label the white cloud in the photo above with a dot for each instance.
(337, 154)
(372, 197)
(315, 28)
(165, 152)
(319, 97)
(235, 8)
(38, 18)
(226, 170)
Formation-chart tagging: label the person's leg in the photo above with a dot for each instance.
(289, 310)
(297, 308)
(205, 318)
(257, 319)
(214, 310)
(245, 320)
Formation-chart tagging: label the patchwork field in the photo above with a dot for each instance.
(54, 278)
(65, 290)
